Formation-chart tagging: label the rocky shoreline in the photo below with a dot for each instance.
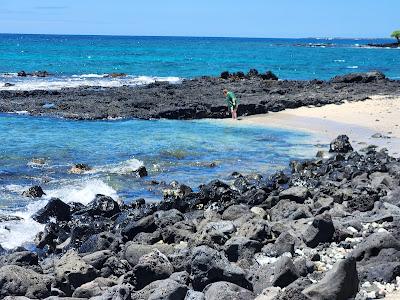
(197, 98)
(329, 229)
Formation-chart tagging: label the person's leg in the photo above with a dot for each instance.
(234, 113)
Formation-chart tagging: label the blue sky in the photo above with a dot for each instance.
(251, 18)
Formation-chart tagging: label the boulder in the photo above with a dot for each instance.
(223, 290)
(102, 206)
(98, 258)
(71, 271)
(208, 265)
(320, 231)
(255, 229)
(18, 281)
(280, 274)
(93, 288)
(167, 289)
(296, 193)
(150, 267)
(20, 258)
(241, 248)
(195, 295)
(101, 241)
(289, 210)
(341, 145)
(141, 172)
(339, 283)
(133, 251)
(285, 243)
(234, 212)
(145, 224)
(34, 192)
(56, 209)
(117, 292)
(373, 244)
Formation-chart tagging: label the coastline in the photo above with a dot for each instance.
(378, 116)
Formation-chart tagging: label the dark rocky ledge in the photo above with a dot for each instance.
(326, 230)
(197, 98)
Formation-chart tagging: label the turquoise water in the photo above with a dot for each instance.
(40, 151)
(170, 150)
(186, 57)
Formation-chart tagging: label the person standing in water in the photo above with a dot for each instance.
(232, 102)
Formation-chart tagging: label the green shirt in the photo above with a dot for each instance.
(231, 100)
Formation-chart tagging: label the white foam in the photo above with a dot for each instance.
(126, 167)
(17, 233)
(339, 60)
(352, 67)
(83, 192)
(90, 80)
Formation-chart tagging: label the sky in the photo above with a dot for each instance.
(251, 18)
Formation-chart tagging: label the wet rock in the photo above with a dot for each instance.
(145, 225)
(341, 145)
(227, 291)
(339, 283)
(320, 231)
(56, 209)
(101, 206)
(18, 281)
(22, 74)
(167, 289)
(100, 241)
(141, 172)
(79, 169)
(34, 192)
(209, 265)
(115, 75)
(71, 272)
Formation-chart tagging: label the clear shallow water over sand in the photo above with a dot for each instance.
(170, 150)
(83, 60)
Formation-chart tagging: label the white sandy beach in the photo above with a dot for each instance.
(359, 120)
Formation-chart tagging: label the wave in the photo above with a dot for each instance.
(123, 168)
(22, 232)
(15, 83)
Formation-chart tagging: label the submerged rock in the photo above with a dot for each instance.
(34, 192)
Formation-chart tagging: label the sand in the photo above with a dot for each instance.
(359, 120)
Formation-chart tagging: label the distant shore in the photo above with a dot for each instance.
(197, 98)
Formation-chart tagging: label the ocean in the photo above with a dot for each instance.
(84, 60)
(41, 150)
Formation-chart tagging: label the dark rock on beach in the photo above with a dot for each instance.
(197, 98)
(327, 228)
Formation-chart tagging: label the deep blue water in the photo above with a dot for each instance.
(187, 57)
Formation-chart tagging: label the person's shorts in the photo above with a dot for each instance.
(233, 107)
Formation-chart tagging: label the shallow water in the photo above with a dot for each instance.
(170, 150)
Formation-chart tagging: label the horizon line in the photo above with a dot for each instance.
(195, 36)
